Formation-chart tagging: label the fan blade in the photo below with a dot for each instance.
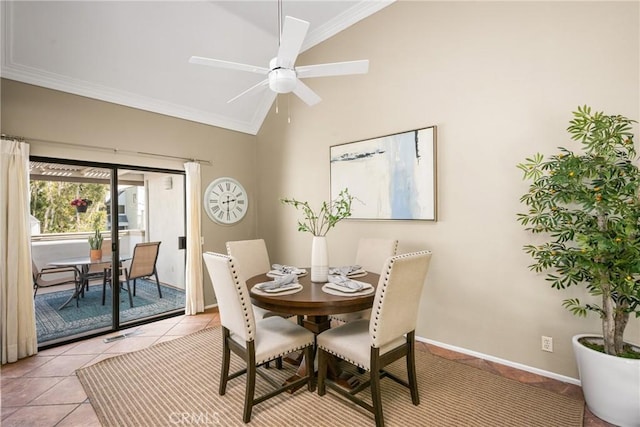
(253, 89)
(333, 69)
(293, 34)
(305, 93)
(226, 64)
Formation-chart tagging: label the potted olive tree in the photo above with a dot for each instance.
(588, 208)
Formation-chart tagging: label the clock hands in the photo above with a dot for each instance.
(228, 202)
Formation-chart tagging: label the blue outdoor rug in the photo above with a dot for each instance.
(52, 323)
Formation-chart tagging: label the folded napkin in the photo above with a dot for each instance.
(280, 282)
(286, 269)
(345, 282)
(345, 270)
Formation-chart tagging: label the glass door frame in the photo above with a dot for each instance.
(115, 247)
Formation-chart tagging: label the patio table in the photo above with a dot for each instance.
(82, 264)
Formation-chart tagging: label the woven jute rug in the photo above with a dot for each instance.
(176, 383)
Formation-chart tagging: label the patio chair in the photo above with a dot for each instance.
(143, 265)
(40, 280)
(97, 271)
(388, 336)
(371, 256)
(254, 341)
(122, 279)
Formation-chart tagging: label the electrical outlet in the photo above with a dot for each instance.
(547, 344)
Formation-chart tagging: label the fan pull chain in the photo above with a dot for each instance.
(288, 109)
(277, 104)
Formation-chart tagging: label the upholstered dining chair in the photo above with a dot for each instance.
(371, 256)
(388, 336)
(255, 341)
(56, 276)
(252, 258)
(143, 264)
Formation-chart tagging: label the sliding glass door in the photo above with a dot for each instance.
(151, 208)
(138, 214)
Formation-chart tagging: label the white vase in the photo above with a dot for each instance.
(611, 385)
(319, 259)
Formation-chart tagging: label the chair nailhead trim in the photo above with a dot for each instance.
(387, 274)
(245, 308)
(272, 357)
(353, 362)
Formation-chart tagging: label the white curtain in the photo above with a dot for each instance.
(18, 321)
(194, 284)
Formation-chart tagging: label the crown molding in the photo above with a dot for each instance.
(346, 19)
(25, 74)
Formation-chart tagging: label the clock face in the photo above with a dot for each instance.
(225, 201)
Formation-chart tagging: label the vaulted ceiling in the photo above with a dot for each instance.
(136, 53)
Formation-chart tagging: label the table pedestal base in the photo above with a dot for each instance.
(318, 324)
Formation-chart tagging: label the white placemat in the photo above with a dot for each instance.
(332, 289)
(283, 291)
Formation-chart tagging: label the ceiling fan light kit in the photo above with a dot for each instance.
(281, 80)
(282, 75)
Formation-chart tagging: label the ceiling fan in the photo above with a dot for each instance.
(282, 75)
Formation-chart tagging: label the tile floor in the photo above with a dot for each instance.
(43, 391)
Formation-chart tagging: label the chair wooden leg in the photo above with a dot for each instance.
(134, 287)
(308, 354)
(322, 371)
(411, 368)
(251, 381)
(376, 398)
(226, 358)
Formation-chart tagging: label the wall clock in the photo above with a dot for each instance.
(225, 201)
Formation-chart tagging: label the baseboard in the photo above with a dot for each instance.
(505, 362)
(490, 358)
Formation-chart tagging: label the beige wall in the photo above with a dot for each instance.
(500, 80)
(42, 114)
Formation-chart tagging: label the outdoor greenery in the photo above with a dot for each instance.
(587, 206)
(51, 203)
(327, 217)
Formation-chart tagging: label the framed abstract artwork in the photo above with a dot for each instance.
(391, 177)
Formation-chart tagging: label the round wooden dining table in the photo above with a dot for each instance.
(312, 301)
(316, 306)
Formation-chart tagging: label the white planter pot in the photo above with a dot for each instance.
(611, 385)
(319, 259)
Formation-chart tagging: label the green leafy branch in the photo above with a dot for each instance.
(327, 217)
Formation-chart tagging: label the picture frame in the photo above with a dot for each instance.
(392, 177)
